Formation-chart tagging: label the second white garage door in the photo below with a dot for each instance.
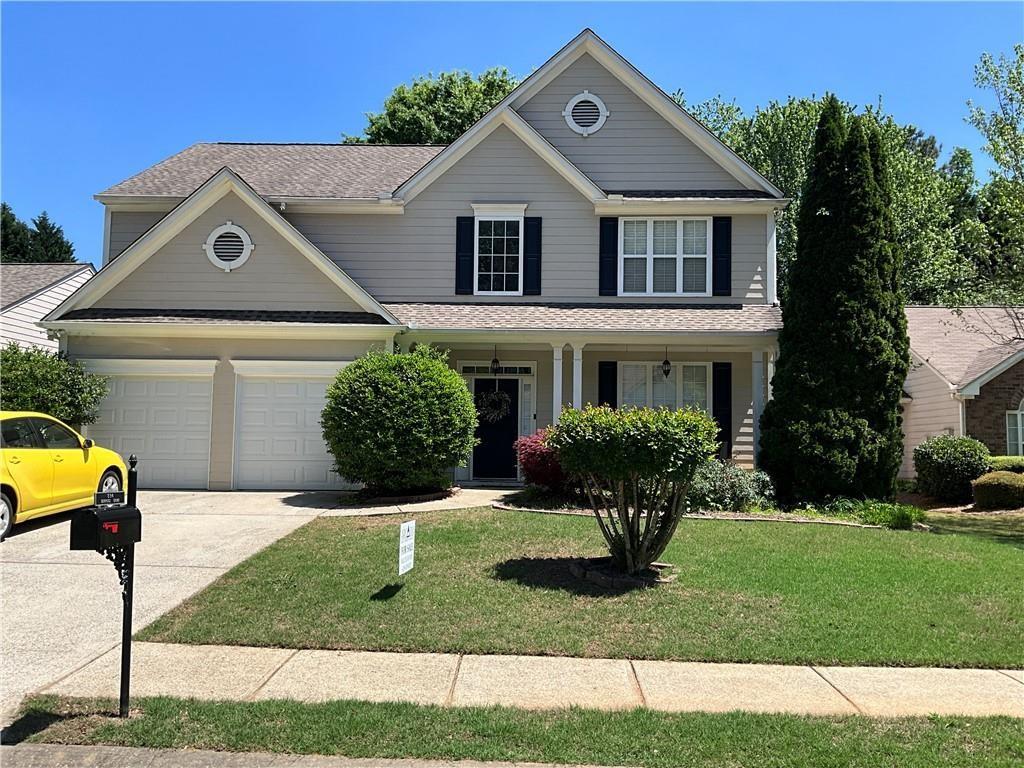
(278, 440)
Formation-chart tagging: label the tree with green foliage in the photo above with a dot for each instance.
(43, 243)
(15, 237)
(833, 425)
(37, 380)
(436, 109)
(398, 423)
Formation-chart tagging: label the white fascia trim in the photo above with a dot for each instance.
(915, 356)
(499, 209)
(649, 206)
(738, 339)
(318, 368)
(161, 233)
(50, 287)
(224, 330)
(150, 367)
(588, 42)
(973, 387)
(484, 127)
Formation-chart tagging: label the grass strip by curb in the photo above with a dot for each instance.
(637, 737)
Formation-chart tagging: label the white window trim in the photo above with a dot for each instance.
(650, 365)
(679, 256)
(1019, 413)
(224, 228)
(495, 212)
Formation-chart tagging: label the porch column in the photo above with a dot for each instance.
(773, 355)
(556, 383)
(757, 385)
(577, 376)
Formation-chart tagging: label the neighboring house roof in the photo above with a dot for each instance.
(969, 347)
(19, 282)
(708, 318)
(233, 316)
(330, 171)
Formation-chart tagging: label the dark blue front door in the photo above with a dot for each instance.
(495, 456)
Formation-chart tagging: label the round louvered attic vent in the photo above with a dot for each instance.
(585, 113)
(228, 247)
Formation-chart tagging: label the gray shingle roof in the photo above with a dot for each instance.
(965, 346)
(19, 281)
(330, 171)
(735, 318)
(311, 317)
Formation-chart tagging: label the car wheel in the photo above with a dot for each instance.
(6, 515)
(110, 481)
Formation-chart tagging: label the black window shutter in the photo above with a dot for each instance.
(607, 383)
(531, 255)
(609, 251)
(464, 255)
(721, 256)
(721, 404)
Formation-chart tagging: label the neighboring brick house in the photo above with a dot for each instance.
(966, 378)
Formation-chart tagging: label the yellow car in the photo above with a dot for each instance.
(47, 468)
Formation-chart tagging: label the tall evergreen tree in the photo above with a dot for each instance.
(832, 427)
(48, 242)
(15, 237)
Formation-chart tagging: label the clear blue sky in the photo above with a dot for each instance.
(92, 93)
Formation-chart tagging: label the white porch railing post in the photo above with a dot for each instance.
(556, 383)
(757, 385)
(577, 376)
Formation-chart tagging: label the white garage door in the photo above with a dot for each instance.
(278, 440)
(163, 420)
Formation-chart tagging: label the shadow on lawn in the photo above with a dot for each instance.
(553, 573)
(1000, 527)
(29, 724)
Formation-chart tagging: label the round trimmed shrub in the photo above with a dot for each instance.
(539, 462)
(946, 465)
(635, 466)
(398, 423)
(999, 490)
(37, 380)
(721, 486)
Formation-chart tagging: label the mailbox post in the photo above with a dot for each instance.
(112, 531)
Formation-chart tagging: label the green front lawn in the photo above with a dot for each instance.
(491, 581)
(638, 737)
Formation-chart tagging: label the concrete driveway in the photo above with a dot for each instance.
(61, 609)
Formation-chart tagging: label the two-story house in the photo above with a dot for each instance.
(587, 241)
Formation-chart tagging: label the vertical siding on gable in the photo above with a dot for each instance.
(411, 257)
(933, 411)
(18, 324)
(635, 149)
(276, 276)
(126, 227)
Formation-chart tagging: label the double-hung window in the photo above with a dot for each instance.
(1015, 431)
(646, 385)
(665, 256)
(498, 250)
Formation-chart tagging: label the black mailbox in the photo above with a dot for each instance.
(101, 528)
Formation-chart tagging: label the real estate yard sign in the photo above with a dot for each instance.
(406, 546)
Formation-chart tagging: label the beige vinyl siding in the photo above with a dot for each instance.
(933, 411)
(180, 276)
(223, 350)
(18, 324)
(635, 149)
(126, 227)
(411, 257)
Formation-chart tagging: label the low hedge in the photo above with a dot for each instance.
(1007, 464)
(999, 490)
(946, 465)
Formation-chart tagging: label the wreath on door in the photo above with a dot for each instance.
(492, 407)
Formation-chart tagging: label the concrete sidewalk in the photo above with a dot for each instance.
(56, 756)
(546, 682)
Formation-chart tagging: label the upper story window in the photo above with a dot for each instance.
(228, 247)
(498, 250)
(665, 256)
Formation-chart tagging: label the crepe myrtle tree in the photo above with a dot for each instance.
(636, 466)
(398, 423)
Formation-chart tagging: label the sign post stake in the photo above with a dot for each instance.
(124, 560)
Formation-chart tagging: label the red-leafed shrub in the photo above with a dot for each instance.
(539, 463)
